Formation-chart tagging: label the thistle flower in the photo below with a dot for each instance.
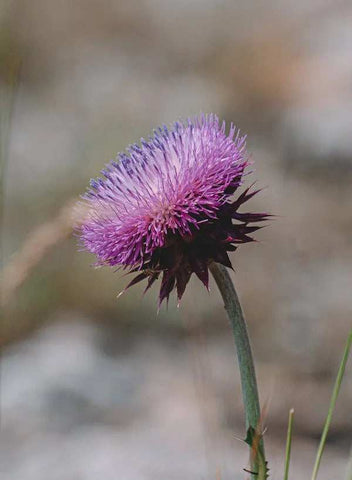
(166, 206)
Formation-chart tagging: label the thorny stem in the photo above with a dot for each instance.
(244, 353)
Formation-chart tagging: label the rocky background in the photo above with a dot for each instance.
(95, 387)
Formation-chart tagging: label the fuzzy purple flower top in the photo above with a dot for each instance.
(166, 206)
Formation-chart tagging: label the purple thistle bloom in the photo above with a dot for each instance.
(165, 207)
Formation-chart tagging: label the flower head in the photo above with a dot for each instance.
(166, 207)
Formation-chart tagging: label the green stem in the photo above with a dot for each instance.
(288, 443)
(245, 358)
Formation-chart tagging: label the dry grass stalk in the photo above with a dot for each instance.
(38, 243)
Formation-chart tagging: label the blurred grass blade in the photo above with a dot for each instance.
(288, 442)
(335, 393)
(349, 467)
(8, 90)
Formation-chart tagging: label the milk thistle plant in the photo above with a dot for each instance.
(168, 208)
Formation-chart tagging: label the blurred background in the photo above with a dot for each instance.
(95, 387)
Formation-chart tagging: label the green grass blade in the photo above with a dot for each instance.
(349, 468)
(335, 393)
(288, 442)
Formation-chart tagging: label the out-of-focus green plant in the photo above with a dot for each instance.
(334, 396)
(335, 393)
